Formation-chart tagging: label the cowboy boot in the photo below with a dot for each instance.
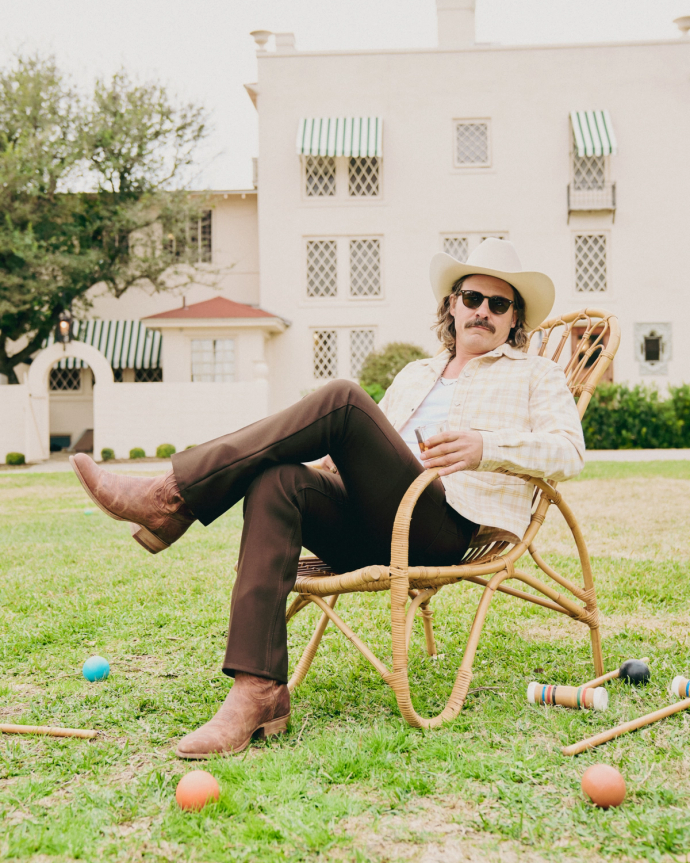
(155, 507)
(254, 706)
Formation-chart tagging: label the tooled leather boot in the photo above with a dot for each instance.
(255, 706)
(155, 507)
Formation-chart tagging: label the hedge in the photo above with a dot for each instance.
(623, 417)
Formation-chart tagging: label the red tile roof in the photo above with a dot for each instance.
(218, 307)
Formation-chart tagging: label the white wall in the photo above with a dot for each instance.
(14, 413)
(527, 93)
(71, 411)
(128, 415)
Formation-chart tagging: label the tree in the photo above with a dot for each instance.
(91, 191)
(380, 367)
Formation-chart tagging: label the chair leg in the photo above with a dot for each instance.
(399, 680)
(428, 621)
(309, 653)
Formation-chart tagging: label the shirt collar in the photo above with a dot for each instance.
(438, 363)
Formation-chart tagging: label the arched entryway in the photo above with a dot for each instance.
(38, 443)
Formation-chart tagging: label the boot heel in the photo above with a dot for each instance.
(275, 726)
(146, 539)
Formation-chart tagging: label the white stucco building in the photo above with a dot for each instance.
(372, 161)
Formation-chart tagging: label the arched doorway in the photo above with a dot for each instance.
(70, 389)
(39, 426)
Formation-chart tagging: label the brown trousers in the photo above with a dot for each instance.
(346, 519)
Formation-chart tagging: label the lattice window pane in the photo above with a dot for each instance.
(365, 268)
(472, 144)
(322, 268)
(590, 262)
(325, 353)
(364, 177)
(456, 247)
(589, 172)
(200, 239)
(65, 379)
(319, 176)
(213, 360)
(148, 376)
(495, 236)
(361, 345)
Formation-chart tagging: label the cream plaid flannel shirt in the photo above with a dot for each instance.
(526, 415)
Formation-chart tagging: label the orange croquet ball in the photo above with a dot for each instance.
(603, 785)
(196, 789)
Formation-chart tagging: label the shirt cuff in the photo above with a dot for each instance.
(491, 455)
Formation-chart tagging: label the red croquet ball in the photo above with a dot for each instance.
(603, 785)
(196, 789)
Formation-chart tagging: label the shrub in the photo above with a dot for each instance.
(380, 367)
(165, 450)
(191, 446)
(376, 391)
(623, 417)
(107, 454)
(15, 458)
(137, 452)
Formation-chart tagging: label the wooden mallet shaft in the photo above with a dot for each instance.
(84, 733)
(633, 725)
(610, 676)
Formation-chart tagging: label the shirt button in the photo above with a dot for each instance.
(467, 373)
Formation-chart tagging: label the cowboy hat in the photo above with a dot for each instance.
(496, 258)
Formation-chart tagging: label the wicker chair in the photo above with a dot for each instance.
(585, 362)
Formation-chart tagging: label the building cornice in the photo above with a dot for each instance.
(471, 49)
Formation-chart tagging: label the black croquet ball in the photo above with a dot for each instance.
(635, 671)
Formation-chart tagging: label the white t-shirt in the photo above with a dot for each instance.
(434, 409)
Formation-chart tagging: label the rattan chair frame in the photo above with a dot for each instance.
(489, 566)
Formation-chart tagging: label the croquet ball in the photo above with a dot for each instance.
(96, 668)
(603, 785)
(196, 789)
(635, 671)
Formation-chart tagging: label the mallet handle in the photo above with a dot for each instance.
(86, 734)
(610, 676)
(633, 725)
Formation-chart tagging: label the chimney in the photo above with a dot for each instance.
(455, 23)
(285, 43)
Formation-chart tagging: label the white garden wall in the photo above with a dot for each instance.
(128, 415)
(14, 412)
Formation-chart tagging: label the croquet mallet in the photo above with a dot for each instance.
(84, 733)
(634, 724)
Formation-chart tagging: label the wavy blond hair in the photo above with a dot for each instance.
(445, 322)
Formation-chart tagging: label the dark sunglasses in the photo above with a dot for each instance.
(473, 299)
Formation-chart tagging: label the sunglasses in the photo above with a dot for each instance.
(473, 299)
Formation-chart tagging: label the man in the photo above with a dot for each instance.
(505, 411)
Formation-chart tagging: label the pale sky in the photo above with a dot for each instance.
(202, 49)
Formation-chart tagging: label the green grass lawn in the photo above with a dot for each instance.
(350, 781)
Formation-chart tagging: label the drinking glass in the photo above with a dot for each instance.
(423, 433)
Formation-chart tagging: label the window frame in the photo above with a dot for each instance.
(342, 197)
(591, 232)
(342, 295)
(214, 338)
(474, 238)
(464, 167)
(343, 357)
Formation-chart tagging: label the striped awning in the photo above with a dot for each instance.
(593, 131)
(125, 344)
(340, 136)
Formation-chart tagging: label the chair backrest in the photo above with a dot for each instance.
(592, 336)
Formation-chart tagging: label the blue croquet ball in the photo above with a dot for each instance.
(96, 668)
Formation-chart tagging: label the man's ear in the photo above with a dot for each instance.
(451, 304)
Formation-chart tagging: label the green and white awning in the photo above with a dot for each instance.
(594, 135)
(340, 136)
(125, 344)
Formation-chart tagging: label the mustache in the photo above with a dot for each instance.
(480, 322)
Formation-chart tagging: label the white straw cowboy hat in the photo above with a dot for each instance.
(496, 258)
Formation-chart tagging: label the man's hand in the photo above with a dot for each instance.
(453, 450)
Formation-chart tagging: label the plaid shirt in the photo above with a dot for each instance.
(526, 415)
